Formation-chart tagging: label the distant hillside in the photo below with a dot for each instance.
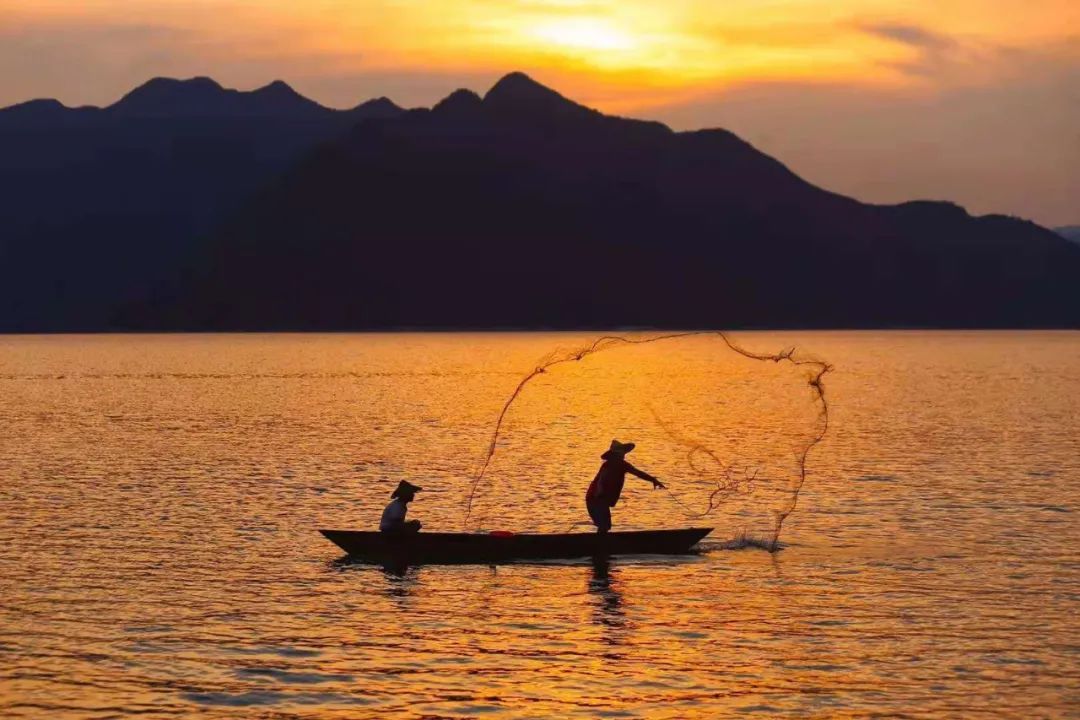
(525, 209)
(516, 209)
(1069, 232)
(98, 205)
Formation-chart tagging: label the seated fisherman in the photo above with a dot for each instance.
(606, 487)
(393, 517)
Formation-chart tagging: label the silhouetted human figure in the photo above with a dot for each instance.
(393, 517)
(606, 487)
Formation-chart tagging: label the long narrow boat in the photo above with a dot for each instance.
(425, 547)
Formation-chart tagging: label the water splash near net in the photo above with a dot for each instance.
(725, 474)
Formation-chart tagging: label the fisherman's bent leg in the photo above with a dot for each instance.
(600, 514)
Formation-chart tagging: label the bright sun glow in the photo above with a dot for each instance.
(584, 34)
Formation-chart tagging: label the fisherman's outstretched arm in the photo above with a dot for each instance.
(643, 475)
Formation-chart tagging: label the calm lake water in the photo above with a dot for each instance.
(160, 498)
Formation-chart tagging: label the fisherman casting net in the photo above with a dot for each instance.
(729, 430)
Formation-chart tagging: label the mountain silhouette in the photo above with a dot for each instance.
(525, 209)
(165, 97)
(520, 208)
(98, 206)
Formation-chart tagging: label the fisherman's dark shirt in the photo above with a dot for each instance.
(608, 483)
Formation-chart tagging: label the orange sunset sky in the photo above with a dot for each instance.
(977, 101)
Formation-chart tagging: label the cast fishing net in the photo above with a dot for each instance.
(730, 431)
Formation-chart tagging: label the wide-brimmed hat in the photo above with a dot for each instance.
(618, 448)
(405, 488)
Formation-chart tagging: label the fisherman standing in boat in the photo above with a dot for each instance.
(393, 517)
(606, 487)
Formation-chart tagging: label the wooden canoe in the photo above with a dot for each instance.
(430, 547)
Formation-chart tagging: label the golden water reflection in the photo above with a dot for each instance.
(159, 500)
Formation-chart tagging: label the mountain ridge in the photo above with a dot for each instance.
(98, 206)
(173, 97)
(515, 208)
(529, 210)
